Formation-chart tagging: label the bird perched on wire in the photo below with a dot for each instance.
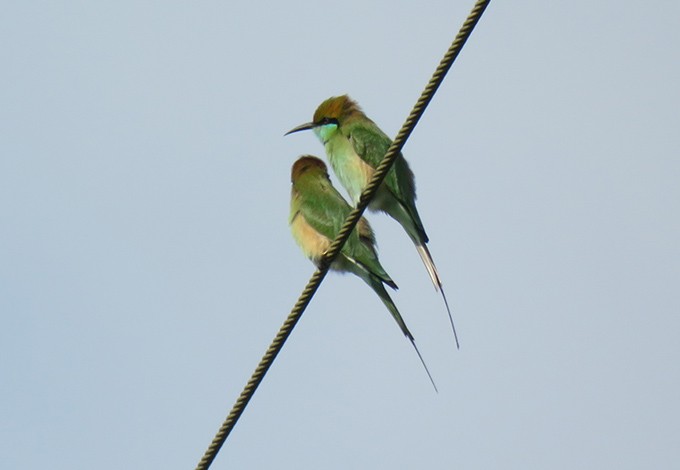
(355, 146)
(317, 212)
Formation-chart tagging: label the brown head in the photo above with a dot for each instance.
(339, 108)
(307, 165)
(334, 111)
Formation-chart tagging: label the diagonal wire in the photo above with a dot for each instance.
(333, 251)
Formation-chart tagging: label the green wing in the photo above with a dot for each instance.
(371, 144)
(325, 210)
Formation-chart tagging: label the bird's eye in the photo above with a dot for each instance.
(325, 121)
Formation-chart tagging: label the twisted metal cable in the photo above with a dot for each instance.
(333, 251)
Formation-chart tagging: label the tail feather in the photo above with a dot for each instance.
(379, 289)
(387, 300)
(425, 255)
(453, 327)
(424, 365)
(429, 265)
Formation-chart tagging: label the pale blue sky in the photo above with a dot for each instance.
(146, 263)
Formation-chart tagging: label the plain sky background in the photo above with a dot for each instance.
(146, 261)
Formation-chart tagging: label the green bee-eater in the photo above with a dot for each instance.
(355, 145)
(317, 212)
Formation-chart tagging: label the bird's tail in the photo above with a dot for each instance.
(379, 289)
(425, 255)
(429, 265)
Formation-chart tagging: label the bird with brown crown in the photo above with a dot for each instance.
(355, 146)
(317, 212)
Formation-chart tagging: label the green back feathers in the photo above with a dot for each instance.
(316, 199)
(371, 144)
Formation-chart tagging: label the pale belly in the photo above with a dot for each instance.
(313, 244)
(353, 173)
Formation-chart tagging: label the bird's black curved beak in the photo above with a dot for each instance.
(301, 127)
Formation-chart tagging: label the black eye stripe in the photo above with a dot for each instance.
(328, 120)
